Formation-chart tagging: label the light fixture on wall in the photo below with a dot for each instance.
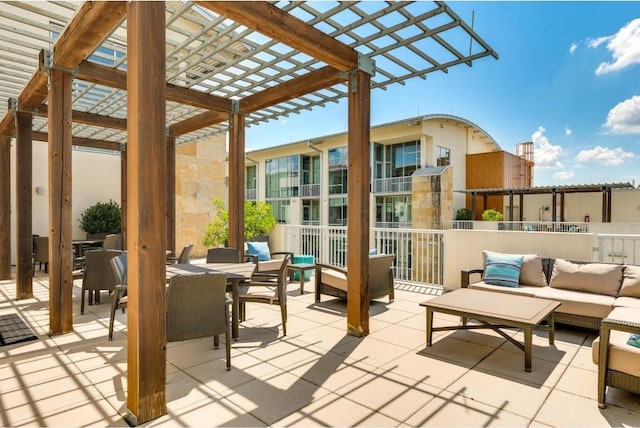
(39, 190)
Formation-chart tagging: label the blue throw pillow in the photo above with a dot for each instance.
(503, 269)
(260, 249)
(634, 340)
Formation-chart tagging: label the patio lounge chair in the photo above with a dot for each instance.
(331, 280)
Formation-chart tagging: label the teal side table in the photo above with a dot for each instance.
(303, 258)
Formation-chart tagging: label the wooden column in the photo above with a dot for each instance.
(511, 206)
(146, 213)
(609, 195)
(562, 207)
(604, 205)
(171, 193)
(473, 206)
(123, 196)
(358, 177)
(236, 181)
(5, 207)
(24, 205)
(60, 245)
(554, 201)
(521, 207)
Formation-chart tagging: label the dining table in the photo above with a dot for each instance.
(236, 273)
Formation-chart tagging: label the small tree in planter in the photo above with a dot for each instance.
(492, 215)
(101, 219)
(258, 220)
(463, 214)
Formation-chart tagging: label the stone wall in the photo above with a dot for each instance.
(200, 177)
(432, 203)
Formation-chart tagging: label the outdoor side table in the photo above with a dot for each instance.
(301, 269)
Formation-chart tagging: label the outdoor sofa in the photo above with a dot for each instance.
(601, 296)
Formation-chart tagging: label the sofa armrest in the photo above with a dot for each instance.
(465, 275)
(282, 253)
(320, 266)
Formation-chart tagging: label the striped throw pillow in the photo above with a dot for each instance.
(503, 269)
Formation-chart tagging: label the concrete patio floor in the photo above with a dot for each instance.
(315, 376)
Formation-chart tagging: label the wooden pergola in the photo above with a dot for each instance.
(554, 191)
(177, 72)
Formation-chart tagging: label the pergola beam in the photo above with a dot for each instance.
(112, 77)
(89, 118)
(313, 81)
(82, 142)
(197, 122)
(283, 27)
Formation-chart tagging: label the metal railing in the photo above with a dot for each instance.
(392, 185)
(250, 194)
(520, 226)
(419, 252)
(618, 248)
(307, 190)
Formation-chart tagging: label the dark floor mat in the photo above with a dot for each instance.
(14, 330)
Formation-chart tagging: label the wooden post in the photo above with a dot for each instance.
(60, 239)
(123, 196)
(146, 213)
(5, 207)
(521, 207)
(358, 177)
(171, 193)
(24, 205)
(236, 181)
(609, 195)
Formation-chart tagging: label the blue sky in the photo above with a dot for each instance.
(568, 79)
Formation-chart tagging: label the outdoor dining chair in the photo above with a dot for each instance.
(98, 274)
(223, 255)
(41, 253)
(184, 258)
(119, 268)
(197, 306)
(270, 290)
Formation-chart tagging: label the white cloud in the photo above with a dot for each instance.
(624, 47)
(546, 155)
(573, 47)
(563, 175)
(567, 131)
(605, 156)
(624, 118)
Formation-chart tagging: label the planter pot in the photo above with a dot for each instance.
(96, 235)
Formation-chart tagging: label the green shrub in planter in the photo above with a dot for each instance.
(463, 214)
(492, 215)
(101, 218)
(258, 220)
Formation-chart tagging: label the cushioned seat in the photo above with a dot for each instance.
(578, 302)
(523, 290)
(627, 302)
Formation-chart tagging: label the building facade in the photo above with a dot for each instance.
(306, 182)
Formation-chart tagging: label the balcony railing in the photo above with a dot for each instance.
(521, 226)
(619, 248)
(419, 253)
(392, 185)
(307, 190)
(250, 194)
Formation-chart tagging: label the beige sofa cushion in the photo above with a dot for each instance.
(531, 272)
(622, 357)
(627, 302)
(598, 278)
(630, 282)
(578, 303)
(523, 290)
(335, 279)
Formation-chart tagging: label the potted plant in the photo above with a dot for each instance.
(493, 215)
(463, 216)
(101, 219)
(259, 220)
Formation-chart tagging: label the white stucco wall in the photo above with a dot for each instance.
(96, 178)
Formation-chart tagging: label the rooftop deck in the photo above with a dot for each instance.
(315, 376)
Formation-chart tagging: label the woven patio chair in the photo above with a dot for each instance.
(269, 290)
(98, 274)
(119, 268)
(197, 306)
(183, 258)
(223, 255)
(41, 253)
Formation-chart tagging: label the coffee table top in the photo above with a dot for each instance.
(523, 309)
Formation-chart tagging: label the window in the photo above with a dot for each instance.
(251, 182)
(338, 161)
(282, 177)
(444, 156)
(337, 211)
(311, 212)
(393, 211)
(280, 210)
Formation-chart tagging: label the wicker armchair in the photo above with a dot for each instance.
(269, 289)
(618, 363)
(41, 253)
(119, 268)
(183, 258)
(332, 281)
(98, 274)
(197, 306)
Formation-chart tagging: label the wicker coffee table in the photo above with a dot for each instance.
(495, 311)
